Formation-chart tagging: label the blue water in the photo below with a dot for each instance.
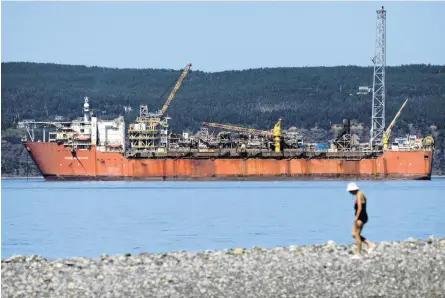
(66, 219)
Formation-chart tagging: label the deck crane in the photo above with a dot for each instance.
(161, 112)
(275, 132)
(155, 118)
(387, 133)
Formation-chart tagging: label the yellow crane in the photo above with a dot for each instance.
(155, 118)
(387, 133)
(275, 132)
(175, 89)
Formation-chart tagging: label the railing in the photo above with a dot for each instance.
(144, 130)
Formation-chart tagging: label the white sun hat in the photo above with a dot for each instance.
(352, 186)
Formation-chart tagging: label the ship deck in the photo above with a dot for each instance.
(261, 154)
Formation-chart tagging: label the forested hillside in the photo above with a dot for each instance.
(306, 97)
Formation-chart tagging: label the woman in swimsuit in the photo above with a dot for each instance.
(361, 217)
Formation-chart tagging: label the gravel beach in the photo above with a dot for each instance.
(413, 268)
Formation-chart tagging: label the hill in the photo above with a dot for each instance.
(307, 97)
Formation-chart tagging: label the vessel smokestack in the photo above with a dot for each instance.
(86, 110)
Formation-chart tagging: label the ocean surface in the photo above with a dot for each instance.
(68, 219)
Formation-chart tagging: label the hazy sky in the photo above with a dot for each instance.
(219, 36)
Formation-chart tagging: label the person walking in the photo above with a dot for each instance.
(361, 217)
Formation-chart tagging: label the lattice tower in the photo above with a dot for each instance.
(378, 84)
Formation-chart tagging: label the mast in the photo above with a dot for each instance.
(378, 84)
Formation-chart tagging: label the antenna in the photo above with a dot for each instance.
(378, 84)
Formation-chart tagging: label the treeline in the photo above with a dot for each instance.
(306, 97)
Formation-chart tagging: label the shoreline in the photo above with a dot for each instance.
(350, 246)
(411, 268)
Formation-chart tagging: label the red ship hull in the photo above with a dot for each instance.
(57, 162)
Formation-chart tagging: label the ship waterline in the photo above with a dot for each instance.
(58, 162)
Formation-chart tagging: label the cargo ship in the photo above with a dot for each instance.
(91, 148)
(105, 162)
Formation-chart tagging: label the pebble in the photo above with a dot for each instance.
(414, 268)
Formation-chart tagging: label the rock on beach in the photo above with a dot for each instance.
(414, 268)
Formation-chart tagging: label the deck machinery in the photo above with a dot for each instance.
(150, 132)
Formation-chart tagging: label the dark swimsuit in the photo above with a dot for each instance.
(363, 216)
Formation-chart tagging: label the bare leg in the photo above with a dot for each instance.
(358, 239)
(368, 243)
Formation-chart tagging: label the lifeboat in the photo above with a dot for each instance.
(114, 145)
(83, 138)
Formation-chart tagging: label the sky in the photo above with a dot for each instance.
(220, 35)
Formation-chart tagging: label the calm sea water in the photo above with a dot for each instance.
(66, 219)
